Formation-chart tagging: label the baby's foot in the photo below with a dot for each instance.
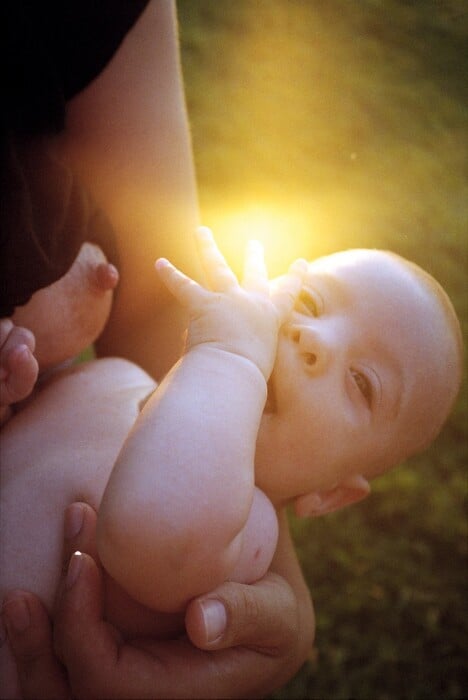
(18, 366)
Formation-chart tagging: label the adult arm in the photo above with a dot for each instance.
(268, 632)
(127, 136)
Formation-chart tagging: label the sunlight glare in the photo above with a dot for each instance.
(285, 235)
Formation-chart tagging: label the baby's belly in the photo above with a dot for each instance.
(59, 449)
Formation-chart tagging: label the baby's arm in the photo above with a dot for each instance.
(18, 366)
(184, 481)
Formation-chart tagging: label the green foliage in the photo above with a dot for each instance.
(86, 355)
(356, 114)
(389, 584)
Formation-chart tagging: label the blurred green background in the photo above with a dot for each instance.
(326, 124)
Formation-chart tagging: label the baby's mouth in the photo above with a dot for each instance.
(270, 404)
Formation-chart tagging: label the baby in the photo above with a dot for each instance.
(300, 396)
(296, 392)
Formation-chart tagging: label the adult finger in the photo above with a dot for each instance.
(262, 616)
(99, 663)
(27, 621)
(79, 532)
(82, 639)
(18, 366)
(11, 335)
(18, 373)
(30, 637)
(6, 324)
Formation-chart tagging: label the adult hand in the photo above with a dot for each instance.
(258, 632)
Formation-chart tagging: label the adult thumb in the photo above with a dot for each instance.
(262, 616)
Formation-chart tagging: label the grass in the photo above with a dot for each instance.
(346, 123)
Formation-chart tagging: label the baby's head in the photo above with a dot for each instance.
(68, 315)
(368, 367)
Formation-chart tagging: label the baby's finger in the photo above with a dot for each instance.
(287, 288)
(255, 272)
(218, 273)
(185, 290)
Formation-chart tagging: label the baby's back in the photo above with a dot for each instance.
(61, 448)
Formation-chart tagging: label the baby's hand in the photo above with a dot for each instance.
(18, 366)
(243, 319)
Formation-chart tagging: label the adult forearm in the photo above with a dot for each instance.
(127, 136)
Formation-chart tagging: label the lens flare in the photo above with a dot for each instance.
(284, 233)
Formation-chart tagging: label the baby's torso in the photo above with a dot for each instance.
(61, 448)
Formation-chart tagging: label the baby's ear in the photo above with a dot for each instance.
(350, 490)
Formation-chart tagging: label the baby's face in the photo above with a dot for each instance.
(362, 373)
(67, 316)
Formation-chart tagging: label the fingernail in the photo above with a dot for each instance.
(74, 517)
(16, 614)
(214, 619)
(23, 350)
(74, 569)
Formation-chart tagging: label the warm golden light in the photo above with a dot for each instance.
(285, 234)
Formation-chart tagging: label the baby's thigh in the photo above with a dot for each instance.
(31, 525)
(58, 449)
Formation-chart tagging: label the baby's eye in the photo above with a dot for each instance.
(307, 303)
(364, 385)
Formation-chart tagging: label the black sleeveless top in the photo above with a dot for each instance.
(49, 51)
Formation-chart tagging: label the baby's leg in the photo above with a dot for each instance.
(58, 449)
(31, 527)
(18, 366)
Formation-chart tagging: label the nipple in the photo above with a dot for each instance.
(106, 276)
(310, 358)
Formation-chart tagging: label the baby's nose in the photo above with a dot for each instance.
(106, 276)
(312, 348)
